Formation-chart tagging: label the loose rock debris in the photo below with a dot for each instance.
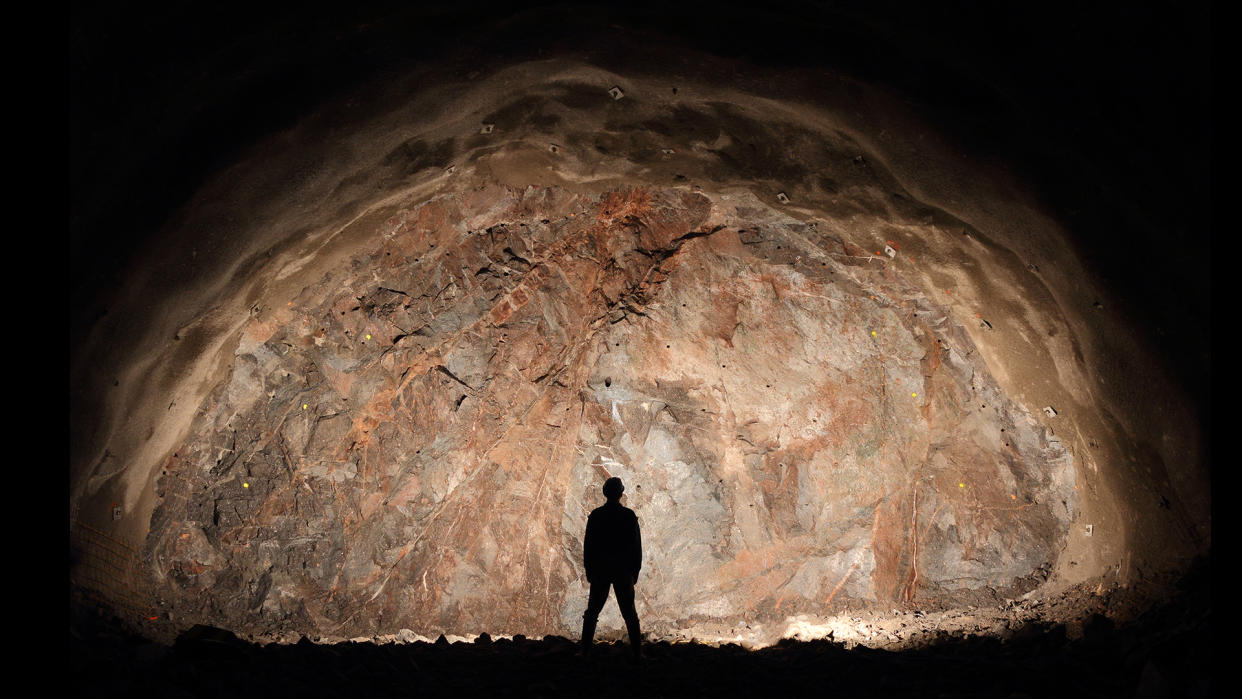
(1102, 651)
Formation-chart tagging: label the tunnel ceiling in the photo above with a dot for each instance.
(845, 346)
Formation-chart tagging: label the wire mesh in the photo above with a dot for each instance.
(106, 571)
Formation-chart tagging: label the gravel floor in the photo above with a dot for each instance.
(1165, 652)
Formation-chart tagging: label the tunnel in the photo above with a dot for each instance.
(893, 320)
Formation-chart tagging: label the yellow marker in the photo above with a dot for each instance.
(368, 336)
(304, 406)
(872, 333)
(245, 485)
(914, 395)
(961, 485)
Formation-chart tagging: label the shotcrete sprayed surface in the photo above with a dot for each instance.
(385, 390)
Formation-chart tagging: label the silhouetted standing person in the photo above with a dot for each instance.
(612, 552)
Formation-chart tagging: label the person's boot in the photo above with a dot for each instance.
(588, 636)
(636, 644)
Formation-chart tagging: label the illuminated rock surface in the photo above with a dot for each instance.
(416, 438)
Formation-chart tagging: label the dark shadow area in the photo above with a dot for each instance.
(1164, 653)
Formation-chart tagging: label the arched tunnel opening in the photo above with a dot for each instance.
(859, 304)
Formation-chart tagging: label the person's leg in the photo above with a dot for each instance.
(595, 603)
(625, 600)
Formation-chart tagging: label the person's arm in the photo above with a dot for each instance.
(638, 549)
(589, 547)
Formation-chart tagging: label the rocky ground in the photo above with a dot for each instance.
(1164, 651)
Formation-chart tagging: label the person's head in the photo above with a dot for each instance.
(613, 488)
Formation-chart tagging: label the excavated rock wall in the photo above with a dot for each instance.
(415, 439)
(648, 261)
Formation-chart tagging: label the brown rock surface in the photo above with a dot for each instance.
(415, 439)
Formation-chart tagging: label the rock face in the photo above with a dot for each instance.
(415, 440)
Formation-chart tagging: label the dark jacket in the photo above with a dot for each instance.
(613, 546)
